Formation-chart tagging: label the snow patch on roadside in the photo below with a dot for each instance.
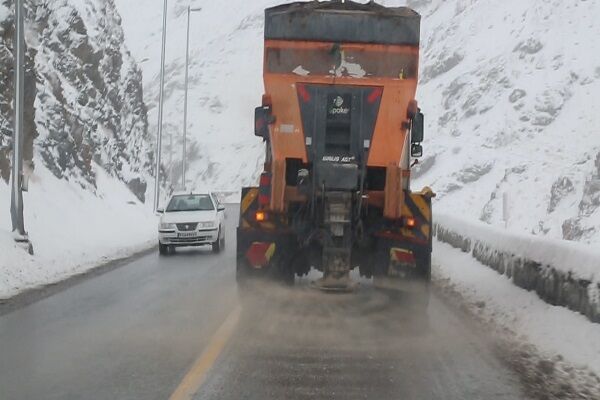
(72, 230)
(555, 331)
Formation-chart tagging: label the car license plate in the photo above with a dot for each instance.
(186, 235)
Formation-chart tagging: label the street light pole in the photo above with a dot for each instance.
(171, 159)
(160, 109)
(185, 101)
(16, 203)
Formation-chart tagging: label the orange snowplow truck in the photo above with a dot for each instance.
(342, 129)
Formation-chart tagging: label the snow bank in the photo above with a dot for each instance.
(561, 273)
(553, 330)
(72, 229)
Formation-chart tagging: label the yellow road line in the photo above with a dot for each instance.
(192, 381)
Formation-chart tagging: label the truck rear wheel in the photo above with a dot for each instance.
(424, 267)
(285, 274)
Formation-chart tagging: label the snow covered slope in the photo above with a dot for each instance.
(83, 94)
(87, 148)
(225, 84)
(509, 90)
(72, 229)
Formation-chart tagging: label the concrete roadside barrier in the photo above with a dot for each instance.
(562, 273)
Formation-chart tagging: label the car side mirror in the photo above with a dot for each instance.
(160, 211)
(263, 117)
(221, 208)
(417, 130)
(416, 150)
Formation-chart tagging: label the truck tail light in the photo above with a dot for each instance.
(264, 189)
(261, 216)
(265, 179)
(410, 222)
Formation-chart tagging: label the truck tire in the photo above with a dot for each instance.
(286, 274)
(282, 269)
(424, 267)
(163, 249)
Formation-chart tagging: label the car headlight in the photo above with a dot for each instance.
(164, 225)
(207, 224)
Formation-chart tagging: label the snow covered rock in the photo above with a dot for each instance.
(7, 31)
(513, 85)
(560, 189)
(84, 94)
(587, 224)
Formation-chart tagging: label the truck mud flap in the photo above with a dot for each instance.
(264, 255)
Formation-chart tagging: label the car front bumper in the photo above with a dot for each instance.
(182, 239)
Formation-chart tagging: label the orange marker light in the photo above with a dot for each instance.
(411, 222)
(261, 216)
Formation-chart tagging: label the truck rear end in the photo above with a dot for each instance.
(342, 129)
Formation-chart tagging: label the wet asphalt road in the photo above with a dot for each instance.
(138, 331)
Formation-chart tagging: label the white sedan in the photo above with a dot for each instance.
(192, 220)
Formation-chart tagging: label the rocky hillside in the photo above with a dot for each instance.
(84, 93)
(510, 93)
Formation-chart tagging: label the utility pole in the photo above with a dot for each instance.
(160, 109)
(16, 202)
(185, 102)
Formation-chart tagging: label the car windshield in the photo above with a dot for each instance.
(191, 202)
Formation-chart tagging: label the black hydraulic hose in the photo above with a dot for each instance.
(362, 185)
